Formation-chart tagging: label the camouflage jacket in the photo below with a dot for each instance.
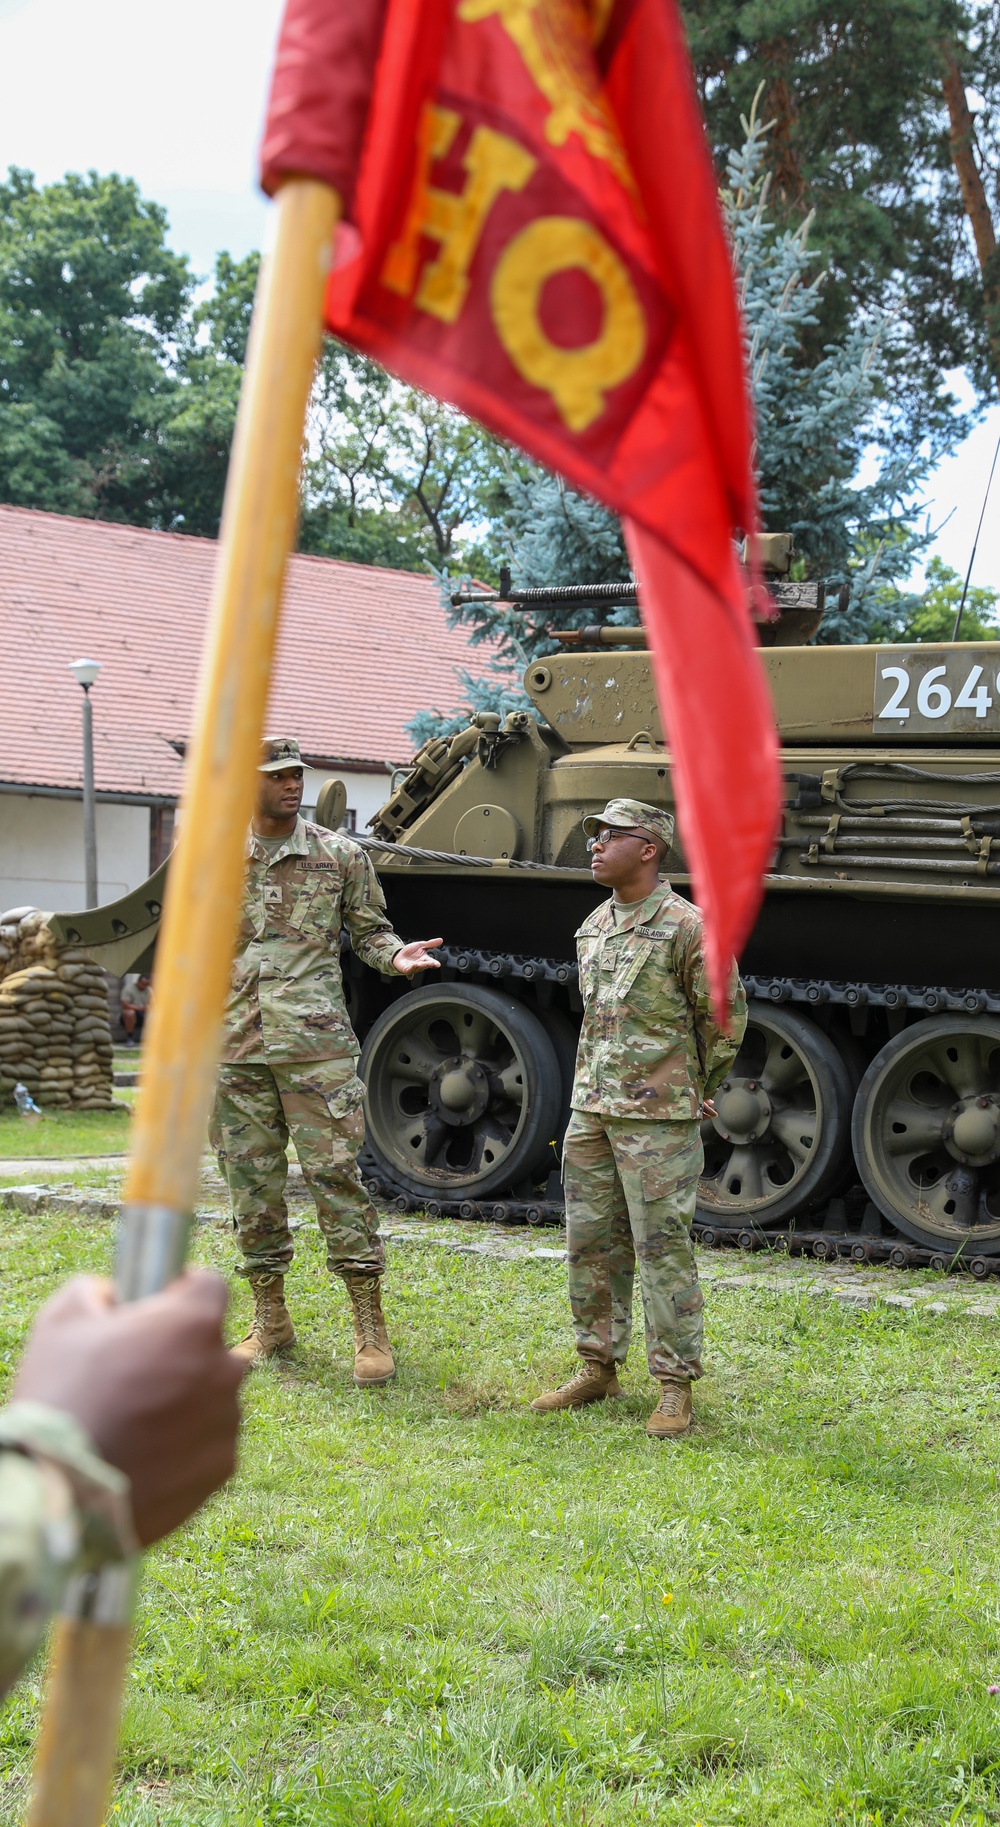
(649, 1047)
(62, 1511)
(286, 999)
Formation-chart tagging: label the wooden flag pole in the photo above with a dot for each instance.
(76, 1746)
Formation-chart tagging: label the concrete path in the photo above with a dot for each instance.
(48, 1164)
(908, 1291)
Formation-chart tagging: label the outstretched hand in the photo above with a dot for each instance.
(416, 957)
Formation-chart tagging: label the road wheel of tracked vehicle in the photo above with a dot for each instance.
(463, 1091)
(781, 1135)
(926, 1132)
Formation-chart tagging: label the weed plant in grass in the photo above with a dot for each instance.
(425, 1606)
(62, 1133)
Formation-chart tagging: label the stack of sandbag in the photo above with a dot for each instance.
(54, 1032)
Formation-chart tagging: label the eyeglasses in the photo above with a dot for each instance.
(608, 837)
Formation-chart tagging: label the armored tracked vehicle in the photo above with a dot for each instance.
(863, 1112)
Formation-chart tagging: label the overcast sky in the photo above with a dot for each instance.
(173, 96)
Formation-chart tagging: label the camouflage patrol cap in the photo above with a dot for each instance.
(277, 752)
(632, 815)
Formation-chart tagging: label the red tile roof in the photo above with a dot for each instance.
(361, 650)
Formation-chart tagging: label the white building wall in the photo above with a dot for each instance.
(41, 842)
(41, 851)
(365, 792)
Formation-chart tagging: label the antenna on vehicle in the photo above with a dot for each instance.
(972, 560)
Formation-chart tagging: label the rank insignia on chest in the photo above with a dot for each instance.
(272, 894)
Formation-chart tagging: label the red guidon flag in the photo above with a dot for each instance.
(531, 231)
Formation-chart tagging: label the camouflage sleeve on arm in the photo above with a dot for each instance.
(61, 1510)
(715, 1049)
(364, 915)
(39, 1548)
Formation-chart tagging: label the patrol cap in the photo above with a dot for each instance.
(277, 752)
(629, 815)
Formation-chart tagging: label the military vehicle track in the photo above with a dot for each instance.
(826, 1244)
(848, 1226)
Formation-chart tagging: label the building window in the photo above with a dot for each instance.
(161, 835)
(350, 821)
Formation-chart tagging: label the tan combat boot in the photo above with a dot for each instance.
(272, 1328)
(672, 1414)
(591, 1383)
(373, 1361)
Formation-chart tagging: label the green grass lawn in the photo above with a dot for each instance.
(428, 1606)
(64, 1132)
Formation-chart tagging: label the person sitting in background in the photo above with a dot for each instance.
(136, 991)
(123, 1420)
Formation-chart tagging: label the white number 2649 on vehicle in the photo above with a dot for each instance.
(935, 688)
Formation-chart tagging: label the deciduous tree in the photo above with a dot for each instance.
(199, 415)
(91, 300)
(932, 617)
(393, 477)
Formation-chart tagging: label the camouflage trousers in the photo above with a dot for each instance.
(257, 1108)
(630, 1195)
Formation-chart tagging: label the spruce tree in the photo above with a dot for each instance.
(835, 468)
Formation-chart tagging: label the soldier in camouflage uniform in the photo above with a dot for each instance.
(290, 1059)
(650, 1056)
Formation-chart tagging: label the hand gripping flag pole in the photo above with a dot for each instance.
(76, 1747)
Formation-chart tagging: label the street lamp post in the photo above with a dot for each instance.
(85, 672)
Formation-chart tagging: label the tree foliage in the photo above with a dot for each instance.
(818, 415)
(932, 616)
(552, 535)
(196, 428)
(117, 392)
(861, 136)
(393, 477)
(90, 300)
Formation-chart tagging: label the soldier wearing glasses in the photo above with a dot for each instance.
(649, 1059)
